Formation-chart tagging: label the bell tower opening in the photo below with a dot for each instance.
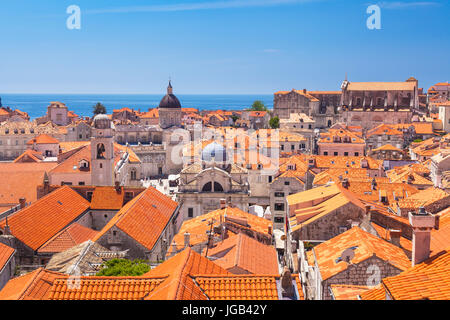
(100, 151)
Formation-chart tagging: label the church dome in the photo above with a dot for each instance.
(170, 100)
(214, 151)
(102, 121)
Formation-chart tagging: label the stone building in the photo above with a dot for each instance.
(57, 113)
(368, 104)
(203, 185)
(341, 142)
(14, 136)
(354, 257)
(169, 110)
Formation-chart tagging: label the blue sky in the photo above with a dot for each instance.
(218, 46)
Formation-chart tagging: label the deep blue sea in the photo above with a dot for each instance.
(82, 104)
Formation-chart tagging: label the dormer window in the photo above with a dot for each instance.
(83, 164)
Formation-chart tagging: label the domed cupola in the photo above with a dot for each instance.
(214, 152)
(170, 101)
(102, 121)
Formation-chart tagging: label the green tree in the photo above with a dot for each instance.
(99, 109)
(258, 106)
(124, 267)
(274, 122)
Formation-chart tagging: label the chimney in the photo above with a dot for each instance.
(187, 239)
(422, 223)
(174, 248)
(117, 186)
(395, 236)
(223, 203)
(269, 230)
(23, 203)
(6, 229)
(304, 90)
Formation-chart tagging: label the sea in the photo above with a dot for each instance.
(82, 104)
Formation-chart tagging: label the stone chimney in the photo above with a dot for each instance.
(223, 203)
(395, 236)
(422, 223)
(23, 203)
(6, 229)
(117, 186)
(187, 239)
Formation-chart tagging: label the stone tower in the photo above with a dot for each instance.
(102, 152)
(169, 110)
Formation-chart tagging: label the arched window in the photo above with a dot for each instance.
(207, 187)
(218, 187)
(100, 151)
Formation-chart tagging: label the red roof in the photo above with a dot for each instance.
(43, 139)
(143, 218)
(68, 238)
(5, 254)
(37, 223)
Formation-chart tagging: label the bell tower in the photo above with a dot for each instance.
(102, 152)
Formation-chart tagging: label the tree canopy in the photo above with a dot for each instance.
(274, 122)
(99, 109)
(124, 267)
(258, 105)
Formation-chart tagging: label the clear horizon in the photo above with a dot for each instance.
(218, 46)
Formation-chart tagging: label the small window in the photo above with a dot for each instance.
(190, 212)
(356, 154)
(81, 183)
(279, 206)
(278, 219)
(279, 194)
(336, 153)
(270, 179)
(89, 195)
(286, 183)
(325, 153)
(345, 153)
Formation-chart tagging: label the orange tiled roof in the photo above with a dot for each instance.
(5, 254)
(347, 292)
(429, 280)
(247, 254)
(376, 293)
(107, 198)
(328, 137)
(144, 217)
(36, 224)
(238, 287)
(29, 156)
(43, 139)
(32, 286)
(328, 252)
(387, 147)
(198, 226)
(105, 288)
(68, 238)
(20, 180)
(180, 269)
(423, 198)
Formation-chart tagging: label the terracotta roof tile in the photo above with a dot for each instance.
(107, 198)
(347, 292)
(198, 226)
(328, 252)
(32, 286)
(180, 284)
(104, 288)
(246, 254)
(144, 217)
(43, 139)
(68, 238)
(20, 180)
(5, 254)
(36, 224)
